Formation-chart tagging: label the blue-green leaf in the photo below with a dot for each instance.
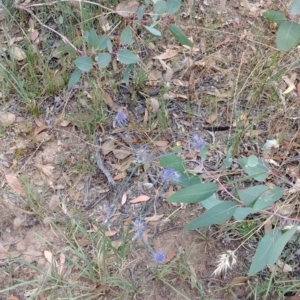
(228, 160)
(92, 38)
(153, 31)
(295, 8)
(263, 250)
(274, 16)
(216, 215)
(127, 73)
(288, 36)
(84, 63)
(267, 198)
(74, 78)
(187, 179)
(180, 36)
(255, 166)
(210, 202)
(280, 244)
(173, 6)
(194, 193)
(141, 11)
(173, 161)
(249, 195)
(103, 59)
(127, 57)
(160, 7)
(103, 41)
(241, 213)
(126, 36)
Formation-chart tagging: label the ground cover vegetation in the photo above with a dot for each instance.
(149, 150)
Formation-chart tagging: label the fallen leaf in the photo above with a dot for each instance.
(161, 143)
(108, 100)
(64, 123)
(54, 202)
(62, 260)
(108, 146)
(169, 53)
(127, 8)
(18, 53)
(121, 153)
(212, 118)
(142, 198)
(12, 298)
(43, 137)
(7, 119)
(39, 129)
(283, 266)
(116, 244)
(292, 297)
(110, 233)
(238, 280)
(15, 184)
(153, 218)
(124, 199)
(290, 83)
(154, 104)
(46, 169)
(120, 176)
(49, 256)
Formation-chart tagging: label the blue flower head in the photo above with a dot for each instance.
(197, 143)
(121, 119)
(138, 226)
(170, 175)
(159, 257)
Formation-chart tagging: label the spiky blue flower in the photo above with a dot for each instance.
(159, 257)
(170, 175)
(121, 119)
(197, 143)
(138, 226)
(142, 155)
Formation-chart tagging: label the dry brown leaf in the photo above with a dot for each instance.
(268, 225)
(54, 202)
(43, 137)
(116, 244)
(64, 123)
(161, 143)
(290, 83)
(127, 8)
(153, 218)
(12, 298)
(108, 100)
(111, 233)
(39, 129)
(6, 119)
(120, 176)
(180, 82)
(292, 297)
(62, 260)
(169, 53)
(142, 198)
(11, 254)
(15, 184)
(108, 146)
(18, 53)
(284, 267)
(212, 118)
(49, 256)
(154, 104)
(46, 169)
(121, 153)
(124, 199)
(192, 80)
(170, 256)
(239, 280)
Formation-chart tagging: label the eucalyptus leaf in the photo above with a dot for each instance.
(74, 78)
(127, 57)
(127, 73)
(210, 202)
(295, 8)
(84, 63)
(274, 16)
(187, 179)
(126, 36)
(160, 7)
(288, 36)
(241, 213)
(141, 11)
(180, 36)
(249, 195)
(228, 160)
(194, 193)
(263, 250)
(103, 41)
(103, 59)
(153, 31)
(173, 161)
(173, 6)
(216, 215)
(267, 198)
(260, 171)
(92, 38)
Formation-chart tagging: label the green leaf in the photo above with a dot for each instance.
(280, 244)
(257, 168)
(74, 78)
(216, 215)
(160, 7)
(103, 42)
(92, 38)
(228, 160)
(126, 36)
(153, 31)
(288, 36)
(173, 6)
(141, 11)
(84, 63)
(103, 59)
(194, 193)
(127, 73)
(274, 16)
(127, 57)
(180, 36)
(241, 213)
(203, 152)
(265, 246)
(267, 198)
(187, 179)
(295, 8)
(249, 195)
(173, 161)
(210, 202)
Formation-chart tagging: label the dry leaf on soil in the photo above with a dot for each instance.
(124, 199)
(127, 8)
(153, 218)
(212, 118)
(161, 143)
(110, 233)
(6, 119)
(121, 154)
(142, 198)
(238, 280)
(120, 176)
(18, 53)
(154, 104)
(108, 146)
(15, 184)
(169, 53)
(108, 100)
